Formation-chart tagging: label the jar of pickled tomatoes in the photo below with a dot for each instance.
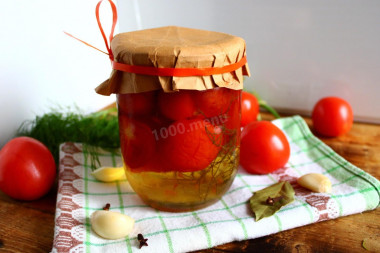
(178, 98)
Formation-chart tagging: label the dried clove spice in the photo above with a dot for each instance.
(142, 240)
(107, 207)
(271, 201)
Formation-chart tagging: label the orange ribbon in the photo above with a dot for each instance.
(181, 72)
(114, 20)
(153, 71)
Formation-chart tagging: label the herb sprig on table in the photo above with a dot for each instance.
(99, 129)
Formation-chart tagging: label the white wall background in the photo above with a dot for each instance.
(299, 51)
(41, 67)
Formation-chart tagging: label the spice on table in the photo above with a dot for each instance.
(271, 201)
(263, 206)
(142, 240)
(107, 207)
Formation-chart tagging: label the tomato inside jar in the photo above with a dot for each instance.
(180, 149)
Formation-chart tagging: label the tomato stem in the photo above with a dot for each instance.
(264, 104)
(269, 108)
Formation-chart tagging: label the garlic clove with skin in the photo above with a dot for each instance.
(315, 182)
(111, 225)
(109, 174)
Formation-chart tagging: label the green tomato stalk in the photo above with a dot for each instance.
(265, 105)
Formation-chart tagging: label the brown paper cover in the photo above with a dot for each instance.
(175, 47)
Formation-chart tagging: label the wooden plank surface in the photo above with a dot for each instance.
(29, 226)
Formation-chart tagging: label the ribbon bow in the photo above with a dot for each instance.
(153, 71)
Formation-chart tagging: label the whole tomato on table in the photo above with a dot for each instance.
(249, 108)
(27, 169)
(332, 116)
(264, 148)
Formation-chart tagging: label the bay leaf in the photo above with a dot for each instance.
(258, 201)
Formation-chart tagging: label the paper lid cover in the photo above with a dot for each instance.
(175, 47)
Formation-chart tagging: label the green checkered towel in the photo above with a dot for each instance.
(230, 219)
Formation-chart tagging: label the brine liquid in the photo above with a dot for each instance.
(185, 191)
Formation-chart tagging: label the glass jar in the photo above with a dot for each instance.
(178, 95)
(180, 149)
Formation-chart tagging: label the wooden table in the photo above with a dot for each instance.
(29, 226)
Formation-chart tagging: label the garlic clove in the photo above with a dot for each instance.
(111, 225)
(109, 174)
(315, 182)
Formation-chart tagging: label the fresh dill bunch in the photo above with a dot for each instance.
(99, 129)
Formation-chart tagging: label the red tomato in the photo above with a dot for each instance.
(264, 148)
(155, 164)
(136, 103)
(332, 116)
(177, 105)
(231, 122)
(233, 115)
(216, 101)
(191, 145)
(249, 108)
(137, 142)
(27, 169)
(155, 122)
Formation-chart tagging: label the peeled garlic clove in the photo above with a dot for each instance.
(315, 182)
(111, 225)
(109, 174)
